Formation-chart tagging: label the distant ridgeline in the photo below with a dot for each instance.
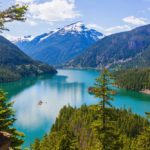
(74, 129)
(76, 46)
(14, 64)
(126, 50)
(133, 79)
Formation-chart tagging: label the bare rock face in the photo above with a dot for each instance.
(4, 140)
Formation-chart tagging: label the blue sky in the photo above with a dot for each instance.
(107, 16)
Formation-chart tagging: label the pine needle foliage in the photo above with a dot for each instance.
(7, 119)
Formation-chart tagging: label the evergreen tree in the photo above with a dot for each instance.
(44, 145)
(133, 79)
(103, 90)
(36, 145)
(104, 127)
(7, 120)
(98, 127)
(69, 141)
(76, 132)
(15, 12)
(143, 141)
(148, 114)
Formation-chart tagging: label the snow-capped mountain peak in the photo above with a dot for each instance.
(78, 26)
(75, 29)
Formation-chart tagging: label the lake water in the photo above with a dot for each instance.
(67, 87)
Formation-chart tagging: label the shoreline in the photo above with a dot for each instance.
(146, 91)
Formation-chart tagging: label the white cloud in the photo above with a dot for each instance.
(10, 37)
(135, 21)
(110, 30)
(51, 11)
(117, 29)
(31, 22)
(24, 1)
(95, 26)
(14, 38)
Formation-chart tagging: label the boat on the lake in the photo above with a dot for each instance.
(90, 90)
(40, 102)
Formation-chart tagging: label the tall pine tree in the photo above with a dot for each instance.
(7, 119)
(104, 126)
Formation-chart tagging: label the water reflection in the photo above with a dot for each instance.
(54, 93)
(13, 88)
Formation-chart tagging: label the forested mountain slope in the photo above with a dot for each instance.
(14, 64)
(116, 49)
(133, 79)
(74, 129)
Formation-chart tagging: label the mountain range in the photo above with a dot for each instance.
(61, 45)
(126, 49)
(76, 46)
(15, 64)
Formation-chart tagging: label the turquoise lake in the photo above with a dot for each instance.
(67, 87)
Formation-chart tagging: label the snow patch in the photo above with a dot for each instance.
(49, 34)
